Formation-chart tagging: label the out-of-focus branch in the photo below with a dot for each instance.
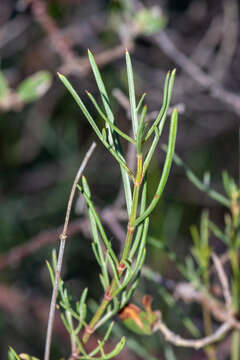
(229, 323)
(177, 340)
(63, 47)
(81, 66)
(229, 33)
(20, 252)
(196, 73)
(224, 282)
(60, 43)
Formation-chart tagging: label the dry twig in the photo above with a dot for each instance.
(224, 282)
(196, 344)
(205, 80)
(63, 238)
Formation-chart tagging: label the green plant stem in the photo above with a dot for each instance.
(236, 273)
(130, 231)
(210, 350)
(131, 227)
(233, 253)
(235, 345)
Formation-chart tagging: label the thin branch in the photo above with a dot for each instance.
(196, 73)
(81, 66)
(189, 294)
(195, 344)
(60, 42)
(16, 254)
(20, 252)
(63, 238)
(224, 282)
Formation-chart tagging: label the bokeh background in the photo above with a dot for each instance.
(44, 136)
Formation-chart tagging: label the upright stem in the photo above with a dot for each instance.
(235, 353)
(235, 345)
(210, 350)
(130, 231)
(63, 238)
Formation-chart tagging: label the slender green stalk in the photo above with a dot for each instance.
(166, 168)
(109, 293)
(132, 94)
(207, 320)
(167, 93)
(235, 353)
(124, 271)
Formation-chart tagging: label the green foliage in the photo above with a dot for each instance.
(4, 88)
(29, 90)
(34, 86)
(201, 250)
(150, 21)
(12, 355)
(119, 273)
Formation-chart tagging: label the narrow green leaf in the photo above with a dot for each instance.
(50, 270)
(151, 151)
(65, 323)
(167, 94)
(105, 118)
(132, 97)
(140, 227)
(4, 87)
(114, 270)
(199, 184)
(140, 102)
(131, 290)
(106, 337)
(34, 86)
(140, 130)
(82, 305)
(99, 225)
(104, 95)
(113, 139)
(166, 167)
(218, 232)
(118, 348)
(110, 148)
(226, 183)
(13, 352)
(80, 104)
(169, 354)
